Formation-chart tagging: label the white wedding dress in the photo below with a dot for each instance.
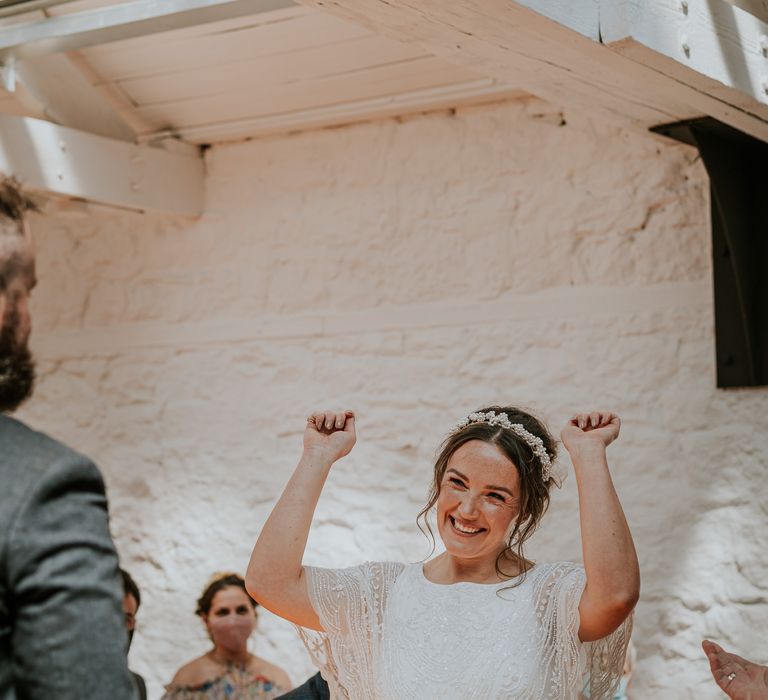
(391, 634)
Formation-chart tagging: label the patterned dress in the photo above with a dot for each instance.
(391, 634)
(236, 684)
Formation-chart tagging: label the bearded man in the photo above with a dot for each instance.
(62, 635)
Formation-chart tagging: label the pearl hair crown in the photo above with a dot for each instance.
(502, 420)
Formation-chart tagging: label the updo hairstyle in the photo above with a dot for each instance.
(534, 491)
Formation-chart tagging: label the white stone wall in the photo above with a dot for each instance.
(414, 270)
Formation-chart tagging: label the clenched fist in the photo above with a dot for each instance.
(599, 427)
(330, 435)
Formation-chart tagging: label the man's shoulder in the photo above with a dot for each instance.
(29, 460)
(29, 450)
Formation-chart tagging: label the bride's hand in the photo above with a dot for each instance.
(329, 435)
(598, 428)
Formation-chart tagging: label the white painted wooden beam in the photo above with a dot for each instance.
(121, 21)
(63, 161)
(710, 45)
(554, 49)
(62, 93)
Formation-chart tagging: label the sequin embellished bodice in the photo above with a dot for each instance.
(390, 634)
(437, 639)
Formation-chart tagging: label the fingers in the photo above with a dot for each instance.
(726, 674)
(585, 420)
(711, 650)
(317, 419)
(595, 419)
(330, 421)
(725, 666)
(711, 647)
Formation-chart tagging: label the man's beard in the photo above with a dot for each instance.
(17, 368)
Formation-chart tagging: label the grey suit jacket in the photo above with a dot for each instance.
(62, 632)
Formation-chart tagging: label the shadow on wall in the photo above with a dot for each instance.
(706, 566)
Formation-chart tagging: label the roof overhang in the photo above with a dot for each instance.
(630, 62)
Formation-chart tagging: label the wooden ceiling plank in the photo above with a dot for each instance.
(199, 31)
(120, 21)
(269, 71)
(378, 82)
(166, 55)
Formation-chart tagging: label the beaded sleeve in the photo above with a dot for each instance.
(601, 662)
(350, 605)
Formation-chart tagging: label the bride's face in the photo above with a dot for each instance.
(478, 502)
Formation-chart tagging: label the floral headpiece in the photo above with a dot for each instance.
(501, 419)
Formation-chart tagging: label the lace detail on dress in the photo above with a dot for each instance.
(350, 605)
(390, 634)
(604, 658)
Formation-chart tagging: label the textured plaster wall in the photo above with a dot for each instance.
(413, 270)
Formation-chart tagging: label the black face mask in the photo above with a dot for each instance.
(17, 368)
(130, 639)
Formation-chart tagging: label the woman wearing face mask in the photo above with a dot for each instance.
(228, 671)
(480, 621)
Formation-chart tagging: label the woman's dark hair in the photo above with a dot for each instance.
(534, 492)
(130, 587)
(217, 584)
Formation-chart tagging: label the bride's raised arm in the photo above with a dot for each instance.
(276, 577)
(610, 560)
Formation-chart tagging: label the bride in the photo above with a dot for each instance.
(479, 620)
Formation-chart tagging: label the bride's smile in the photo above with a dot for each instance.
(478, 502)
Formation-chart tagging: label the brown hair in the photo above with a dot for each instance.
(534, 492)
(130, 587)
(14, 202)
(14, 205)
(218, 583)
